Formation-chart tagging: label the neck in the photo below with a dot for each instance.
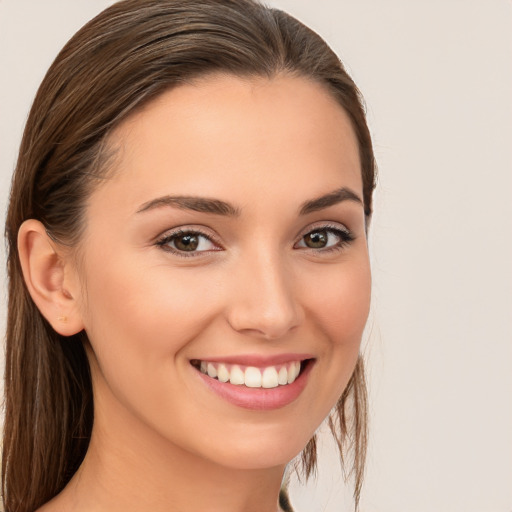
(133, 469)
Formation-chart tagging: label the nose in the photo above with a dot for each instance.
(263, 303)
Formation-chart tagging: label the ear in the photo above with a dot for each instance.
(51, 278)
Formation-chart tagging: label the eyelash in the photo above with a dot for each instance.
(344, 235)
(169, 237)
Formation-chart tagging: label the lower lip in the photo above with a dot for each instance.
(261, 399)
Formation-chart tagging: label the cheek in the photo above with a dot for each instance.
(135, 299)
(341, 304)
(140, 321)
(138, 316)
(340, 312)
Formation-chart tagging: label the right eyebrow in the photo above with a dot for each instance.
(330, 199)
(197, 204)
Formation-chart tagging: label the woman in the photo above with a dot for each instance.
(188, 266)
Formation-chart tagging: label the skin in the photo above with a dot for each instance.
(162, 440)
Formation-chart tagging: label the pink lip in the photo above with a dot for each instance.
(259, 398)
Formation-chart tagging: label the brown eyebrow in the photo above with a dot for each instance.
(218, 207)
(198, 204)
(330, 199)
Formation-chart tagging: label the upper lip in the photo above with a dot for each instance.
(257, 359)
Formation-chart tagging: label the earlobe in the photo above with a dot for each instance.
(47, 273)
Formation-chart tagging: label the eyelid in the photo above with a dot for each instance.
(335, 228)
(166, 237)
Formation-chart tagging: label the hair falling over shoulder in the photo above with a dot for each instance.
(123, 58)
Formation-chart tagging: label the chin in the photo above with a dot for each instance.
(259, 459)
(260, 451)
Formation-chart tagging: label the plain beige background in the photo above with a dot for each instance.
(437, 78)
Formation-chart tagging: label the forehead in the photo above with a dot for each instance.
(224, 135)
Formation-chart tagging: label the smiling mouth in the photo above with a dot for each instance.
(252, 376)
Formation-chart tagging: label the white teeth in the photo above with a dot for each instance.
(269, 378)
(237, 376)
(282, 377)
(293, 371)
(212, 371)
(251, 376)
(222, 373)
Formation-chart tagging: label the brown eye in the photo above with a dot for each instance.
(187, 242)
(326, 239)
(316, 239)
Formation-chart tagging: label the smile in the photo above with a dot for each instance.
(257, 384)
(251, 376)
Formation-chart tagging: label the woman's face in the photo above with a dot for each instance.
(230, 239)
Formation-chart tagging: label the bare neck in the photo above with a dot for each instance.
(120, 475)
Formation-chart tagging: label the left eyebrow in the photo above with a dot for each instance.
(198, 204)
(330, 199)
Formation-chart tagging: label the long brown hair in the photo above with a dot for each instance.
(123, 58)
